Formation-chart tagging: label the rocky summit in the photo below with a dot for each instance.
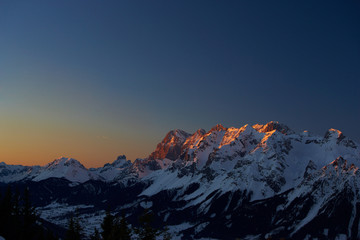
(251, 182)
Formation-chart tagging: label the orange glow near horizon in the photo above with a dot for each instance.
(90, 154)
(28, 142)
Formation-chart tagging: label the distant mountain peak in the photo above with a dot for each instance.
(121, 157)
(177, 133)
(217, 128)
(170, 146)
(271, 126)
(64, 167)
(119, 162)
(339, 161)
(66, 162)
(334, 133)
(200, 131)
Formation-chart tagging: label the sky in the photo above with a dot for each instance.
(95, 79)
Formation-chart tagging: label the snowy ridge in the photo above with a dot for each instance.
(265, 159)
(119, 170)
(67, 168)
(231, 176)
(13, 173)
(271, 156)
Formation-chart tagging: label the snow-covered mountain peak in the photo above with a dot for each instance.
(11, 173)
(170, 146)
(68, 168)
(177, 134)
(121, 157)
(64, 162)
(342, 164)
(217, 128)
(233, 134)
(305, 133)
(200, 131)
(246, 128)
(117, 170)
(120, 162)
(192, 140)
(338, 163)
(339, 168)
(334, 134)
(271, 126)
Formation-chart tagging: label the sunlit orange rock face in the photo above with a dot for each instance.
(270, 126)
(217, 128)
(178, 143)
(190, 142)
(170, 146)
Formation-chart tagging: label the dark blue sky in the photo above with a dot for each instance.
(93, 79)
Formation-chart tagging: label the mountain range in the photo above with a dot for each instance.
(252, 182)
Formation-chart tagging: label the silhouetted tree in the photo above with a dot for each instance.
(18, 217)
(29, 216)
(16, 201)
(121, 231)
(96, 235)
(74, 229)
(146, 231)
(107, 226)
(7, 226)
(41, 234)
(50, 236)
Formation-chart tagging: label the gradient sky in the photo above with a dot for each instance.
(95, 79)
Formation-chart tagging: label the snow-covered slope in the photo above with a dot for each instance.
(119, 170)
(67, 168)
(264, 179)
(264, 159)
(13, 173)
